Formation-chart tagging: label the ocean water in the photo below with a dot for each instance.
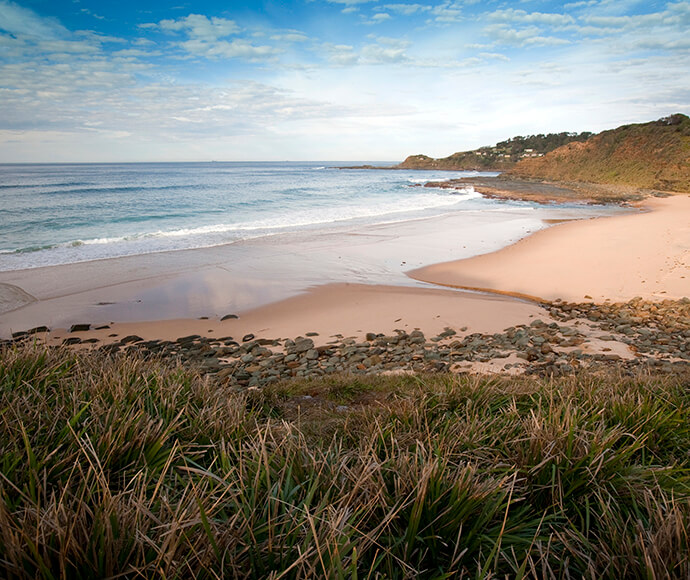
(59, 214)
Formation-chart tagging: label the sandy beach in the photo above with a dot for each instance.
(641, 254)
(239, 278)
(616, 258)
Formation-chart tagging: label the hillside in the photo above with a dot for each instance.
(501, 157)
(654, 155)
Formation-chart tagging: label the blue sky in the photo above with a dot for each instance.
(327, 79)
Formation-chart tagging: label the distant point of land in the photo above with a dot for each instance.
(631, 161)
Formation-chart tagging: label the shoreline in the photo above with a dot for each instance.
(235, 278)
(619, 258)
(420, 326)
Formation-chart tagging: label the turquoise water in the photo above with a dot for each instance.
(54, 214)
(59, 214)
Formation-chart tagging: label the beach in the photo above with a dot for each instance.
(616, 259)
(356, 300)
(243, 277)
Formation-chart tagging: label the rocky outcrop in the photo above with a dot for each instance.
(500, 157)
(653, 155)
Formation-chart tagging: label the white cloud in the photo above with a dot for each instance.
(291, 36)
(390, 41)
(520, 16)
(379, 17)
(581, 4)
(83, 93)
(237, 48)
(494, 56)
(378, 54)
(383, 51)
(525, 37)
(207, 38)
(448, 12)
(407, 9)
(134, 53)
(201, 27)
(351, 2)
(340, 54)
(22, 22)
(97, 16)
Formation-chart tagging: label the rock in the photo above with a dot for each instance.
(417, 337)
(247, 337)
(38, 329)
(71, 340)
(303, 345)
(312, 334)
(110, 348)
(229, 317)
(132, 338)
(80, 327)
(225, 372)
(211, 363)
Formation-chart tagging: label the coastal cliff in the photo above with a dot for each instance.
(654, 155)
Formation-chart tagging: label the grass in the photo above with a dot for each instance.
(119, 467)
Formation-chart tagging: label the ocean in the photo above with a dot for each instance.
(54, 214)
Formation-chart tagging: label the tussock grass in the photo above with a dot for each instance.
(120, 467)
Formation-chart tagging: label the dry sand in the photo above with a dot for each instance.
(615, 258)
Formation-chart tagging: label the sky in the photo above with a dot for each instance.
(143, 80)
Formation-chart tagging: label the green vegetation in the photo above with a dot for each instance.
(500, 157)
(117, 466)
(651, 155)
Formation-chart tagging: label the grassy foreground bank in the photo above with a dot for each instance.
(136, 469)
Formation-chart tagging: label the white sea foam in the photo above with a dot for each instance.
(297, 219)
(467, 192)
(140, 209)
(428, 179)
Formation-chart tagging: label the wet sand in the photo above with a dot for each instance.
(342, 310)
